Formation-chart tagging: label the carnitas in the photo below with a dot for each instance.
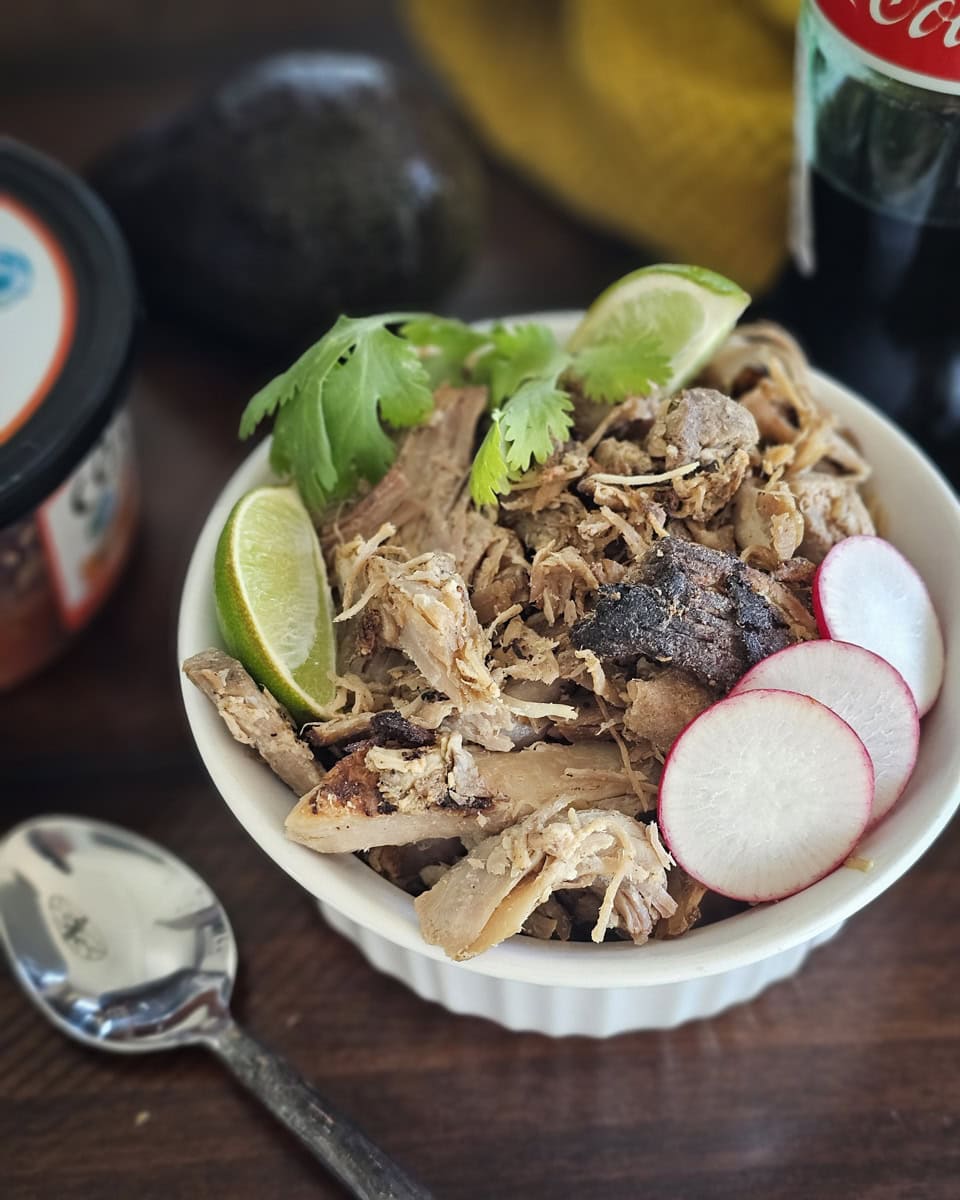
(702, 610)
(487, 896)
(513, 678)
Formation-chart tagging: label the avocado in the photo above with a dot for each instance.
(309, 185)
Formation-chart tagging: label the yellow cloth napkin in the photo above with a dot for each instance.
(668, 121)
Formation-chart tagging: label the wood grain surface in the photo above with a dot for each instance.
(842, 1082)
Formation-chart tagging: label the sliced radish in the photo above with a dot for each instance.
(862, 688)
(765, 793)
(867, 593)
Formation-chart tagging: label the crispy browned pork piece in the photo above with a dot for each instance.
(254, 718)
(686, 604)
(391, 795)
(489, 895)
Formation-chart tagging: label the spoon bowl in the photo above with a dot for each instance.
(123, 947)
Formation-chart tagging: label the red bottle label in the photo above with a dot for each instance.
(918, 38)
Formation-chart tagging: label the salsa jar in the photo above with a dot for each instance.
(68, 481)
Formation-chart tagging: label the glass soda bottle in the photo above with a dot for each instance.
(874, 293)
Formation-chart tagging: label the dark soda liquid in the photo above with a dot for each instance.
(882, 314)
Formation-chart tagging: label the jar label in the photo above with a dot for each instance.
(87, 524)
(916, 41)
(37, 314)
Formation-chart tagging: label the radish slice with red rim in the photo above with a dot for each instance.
(867, 593)
(764, 793)
(863, 689)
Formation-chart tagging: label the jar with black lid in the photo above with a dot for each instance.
(68, 484)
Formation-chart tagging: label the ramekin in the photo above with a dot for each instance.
(565, 988)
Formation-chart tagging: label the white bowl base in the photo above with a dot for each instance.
(565, 1011)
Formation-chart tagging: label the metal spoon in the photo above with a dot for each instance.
(123, 947)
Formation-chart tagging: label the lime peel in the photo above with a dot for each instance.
(686, 311)
(273, 600)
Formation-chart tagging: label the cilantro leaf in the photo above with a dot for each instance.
(530, 411)
(314, 363)
(519, 353)
(532, 420)
(611, 371)
(448, 344)
(524, 430)
(301, 447)
(387, 368)
(490, 476)
(383, 379)
(331, 403)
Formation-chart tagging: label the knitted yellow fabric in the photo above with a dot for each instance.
(668, 121)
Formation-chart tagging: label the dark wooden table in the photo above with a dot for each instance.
(844, 1081)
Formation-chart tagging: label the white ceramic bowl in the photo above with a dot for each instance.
(563, 988)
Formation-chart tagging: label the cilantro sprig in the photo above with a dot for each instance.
(529, 377)
(331, 406)
(336, 406)
(521, 366)
(522, 369)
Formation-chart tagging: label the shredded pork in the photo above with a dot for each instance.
(254, 718)
(384, 795)
(831, 509)
(511, 680)
(421, 607)
(489, 895)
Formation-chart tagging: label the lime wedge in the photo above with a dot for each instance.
(687, 310)
(273, 600)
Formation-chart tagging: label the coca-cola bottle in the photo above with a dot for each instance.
(874, 293)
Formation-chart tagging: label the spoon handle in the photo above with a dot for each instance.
(346, 1152)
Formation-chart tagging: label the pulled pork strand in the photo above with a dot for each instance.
(488, 896)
